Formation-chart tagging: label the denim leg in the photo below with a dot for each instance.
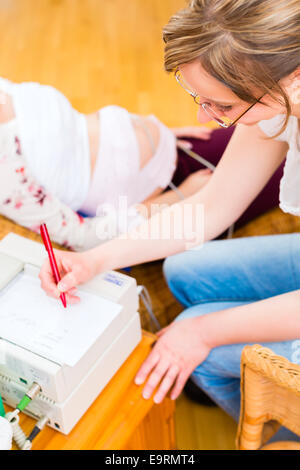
(242, 269)
(225, 274)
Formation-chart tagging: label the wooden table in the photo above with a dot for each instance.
(120, 418)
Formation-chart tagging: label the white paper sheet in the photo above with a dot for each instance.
(40, 324)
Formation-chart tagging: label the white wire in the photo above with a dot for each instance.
(176, 190)
(6, 434)
(146, 299)
(230, 231)
(207, 164)
(19, 436)
(197, 157)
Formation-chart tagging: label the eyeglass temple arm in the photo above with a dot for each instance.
(248, 109)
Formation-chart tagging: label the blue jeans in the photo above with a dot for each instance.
(224, 274)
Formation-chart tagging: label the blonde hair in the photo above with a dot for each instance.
(248, 45)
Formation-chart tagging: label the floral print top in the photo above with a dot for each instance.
(26, 202)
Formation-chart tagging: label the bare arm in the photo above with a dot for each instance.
(274, 319)
(246, 166)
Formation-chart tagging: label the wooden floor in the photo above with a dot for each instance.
(100, 52)
(97, 52)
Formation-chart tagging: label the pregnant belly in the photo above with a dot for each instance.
(145, 148)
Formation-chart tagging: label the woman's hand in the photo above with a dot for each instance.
(74, 269)
(178, 351)
(196, 132)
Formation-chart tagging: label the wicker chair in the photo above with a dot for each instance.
(270, 397)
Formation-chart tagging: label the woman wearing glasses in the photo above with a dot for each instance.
(239, 59)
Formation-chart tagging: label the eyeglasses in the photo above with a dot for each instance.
(212, 113)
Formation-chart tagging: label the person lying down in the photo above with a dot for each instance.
(56, 163)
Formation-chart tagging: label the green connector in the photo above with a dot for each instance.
(2, 410)
(23, 403)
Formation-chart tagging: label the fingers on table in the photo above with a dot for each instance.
(167, 383)
(180, 383)
(147, 366)
(162, 372)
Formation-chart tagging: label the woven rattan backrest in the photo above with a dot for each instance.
(270, 392)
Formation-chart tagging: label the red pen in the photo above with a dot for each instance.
(48, 246)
